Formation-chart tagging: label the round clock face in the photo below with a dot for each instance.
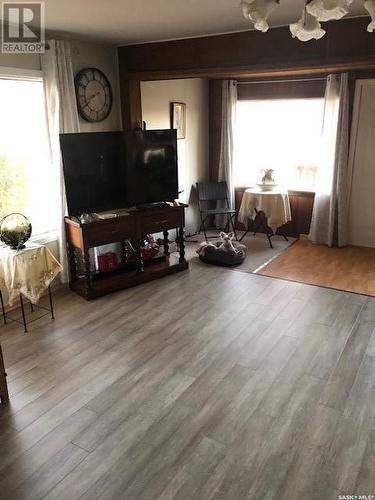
(94, 95)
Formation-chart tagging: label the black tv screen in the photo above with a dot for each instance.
(151, 166)
(94, 171)
(106, 171)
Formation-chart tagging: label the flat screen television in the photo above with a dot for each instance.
(151, 166)
(94, 171)
(106, 171)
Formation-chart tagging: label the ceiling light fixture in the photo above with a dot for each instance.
(315, 11)
(370, 7)
(258, 11)
(327, 10)
(307, 28)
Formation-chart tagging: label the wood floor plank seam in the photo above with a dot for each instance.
(343, 348)
(81, 368)
(80, 446)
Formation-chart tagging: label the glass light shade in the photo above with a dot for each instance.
(307, 28)
(258, 11)
(326, 10)
(370, 7)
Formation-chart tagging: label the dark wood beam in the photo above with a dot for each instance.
(251, 54)
(131, 104)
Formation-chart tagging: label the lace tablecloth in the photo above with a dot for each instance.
(28, 271)
(275, 204)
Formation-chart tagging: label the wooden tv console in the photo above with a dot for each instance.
(134, 226)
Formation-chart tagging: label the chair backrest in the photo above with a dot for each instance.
(212, 191)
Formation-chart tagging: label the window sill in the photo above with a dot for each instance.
(302, 192)
(45, 238)
(307, 192)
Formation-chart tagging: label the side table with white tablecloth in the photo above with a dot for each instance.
(27, 272)
(274, 204)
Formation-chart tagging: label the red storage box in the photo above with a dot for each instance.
(107, 262)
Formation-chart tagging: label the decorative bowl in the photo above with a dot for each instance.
(267, 187)
(15, 230)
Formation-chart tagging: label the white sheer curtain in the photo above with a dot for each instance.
(228, 120)
(62, 117)
(330, 212)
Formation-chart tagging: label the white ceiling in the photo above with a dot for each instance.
(134, 21)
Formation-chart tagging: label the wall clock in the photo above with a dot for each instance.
(94, 94)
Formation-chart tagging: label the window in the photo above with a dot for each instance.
(27, 182)
(285, 135)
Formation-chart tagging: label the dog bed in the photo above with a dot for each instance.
(221, 257)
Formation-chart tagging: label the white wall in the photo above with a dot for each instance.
(24, 61)
(362, 163)
(192, 151)
(103, 57)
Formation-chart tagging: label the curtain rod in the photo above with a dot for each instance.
(318, 79)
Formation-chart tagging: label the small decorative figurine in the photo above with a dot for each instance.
(267, 174)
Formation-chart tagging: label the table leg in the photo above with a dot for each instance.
(50, 302)
(86, 263)
(269, 240)
(23, 313)
(246, 232)
(4, 395)
(181, 244)
(165, 242)
(72, 263)
(137, 245)
(3, 308)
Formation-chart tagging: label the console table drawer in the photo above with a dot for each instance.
(114, 230)
(157, 222)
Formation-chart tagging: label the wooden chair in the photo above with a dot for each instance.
(210, 192)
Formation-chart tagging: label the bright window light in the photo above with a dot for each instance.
(285, 135)
(27, 181)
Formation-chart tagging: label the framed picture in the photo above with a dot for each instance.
(178, 118)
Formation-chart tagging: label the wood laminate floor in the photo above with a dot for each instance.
(348, 268)
(204, 385)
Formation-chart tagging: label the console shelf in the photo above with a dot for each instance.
(134, 226)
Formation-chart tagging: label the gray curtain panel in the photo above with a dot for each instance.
(228, 115)
(329, 224)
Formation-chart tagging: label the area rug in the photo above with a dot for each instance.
(351, 269)
(258, 249)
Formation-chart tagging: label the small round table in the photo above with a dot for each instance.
(271, 208)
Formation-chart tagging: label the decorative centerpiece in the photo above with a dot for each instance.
(15, 230)
(268, 182)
